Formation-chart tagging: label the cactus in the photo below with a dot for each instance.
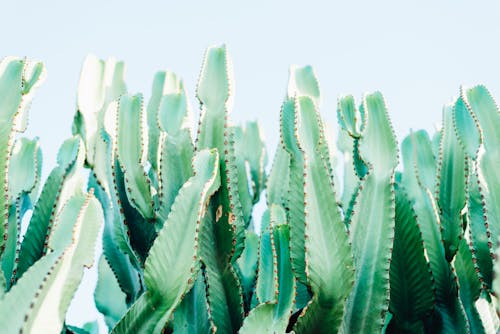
(384, 251)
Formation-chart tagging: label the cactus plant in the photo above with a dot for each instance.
(389, 250)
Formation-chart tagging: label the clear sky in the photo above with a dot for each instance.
(417, 53)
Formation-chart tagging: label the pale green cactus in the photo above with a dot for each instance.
(410, 251)
(371, 226)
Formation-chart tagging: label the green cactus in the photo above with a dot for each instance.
(390, 251)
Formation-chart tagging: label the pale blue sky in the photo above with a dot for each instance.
(417, 53)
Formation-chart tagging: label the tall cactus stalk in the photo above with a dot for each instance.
(372, 221)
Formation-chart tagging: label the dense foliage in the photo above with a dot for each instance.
(408, 250)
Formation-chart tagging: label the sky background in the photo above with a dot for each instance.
(417, 53)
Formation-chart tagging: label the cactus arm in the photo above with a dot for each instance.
(224, 294)
(176, 153)
(450, 187)
(262, 320)
(279, 178)
(222, 239)
(425, 161)
(496, 280)
(349, 116)
(484, 110)
(372, 222)
(192, 315)
(215, 93)
(247, 267)
(15, 302)
(100, 82)
(266, 287)
(329, 263)
(106, 290)
(26, 161)
(449, 310)
(173, 114)
(272, 316)
(48, 286)
(131, 152)
(132, 231)
(181, 237)
(295, 200)
(286, 280)
(163, 82)
(469, 136)
(175, 147)
(350, 119)
(303, 82)
(175, 247)
(10, 257)
(245, 191)
(466, 128)
(56, 190)
(411, 294)
(124, 271)
(118, 230)
(256, 156)
(18, 80)
(470, 286)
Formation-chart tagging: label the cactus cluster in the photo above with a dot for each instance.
(382, 249)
